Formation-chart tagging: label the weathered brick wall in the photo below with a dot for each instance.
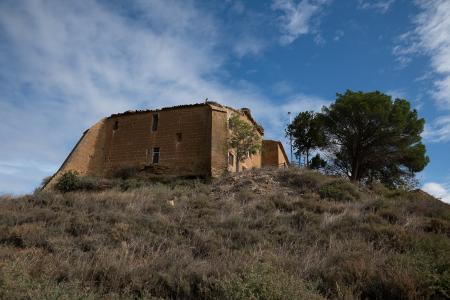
(182, 136)
(87, 156)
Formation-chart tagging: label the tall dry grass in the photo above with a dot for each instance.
(267, 234)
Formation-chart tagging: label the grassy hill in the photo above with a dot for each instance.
(266, 234)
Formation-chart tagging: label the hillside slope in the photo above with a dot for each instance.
(266, 234)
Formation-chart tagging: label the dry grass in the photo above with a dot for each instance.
(268, 234)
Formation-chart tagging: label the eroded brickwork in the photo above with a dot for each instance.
(88, 154)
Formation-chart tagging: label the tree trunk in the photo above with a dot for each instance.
(237, 164)
(307, 158)
(355, 170)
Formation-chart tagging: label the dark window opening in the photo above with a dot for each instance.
(155, 122)
(116, 125)
(230, 159)
(179, 137)
(155, 158)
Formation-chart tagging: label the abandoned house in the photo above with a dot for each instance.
(185, 140)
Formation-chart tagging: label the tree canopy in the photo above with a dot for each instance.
(306, 134)
(369, 138)
(244, 138)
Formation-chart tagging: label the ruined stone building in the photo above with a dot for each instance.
(186, 140)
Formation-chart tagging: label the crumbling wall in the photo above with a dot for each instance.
(87, 157)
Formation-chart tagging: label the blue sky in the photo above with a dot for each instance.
(65, 64)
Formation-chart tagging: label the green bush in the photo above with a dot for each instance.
(69, 181)
(340, 190)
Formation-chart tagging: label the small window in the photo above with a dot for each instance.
(155, 122)
(179, 137)
(116, 125)
(155, 158)
(230, 159)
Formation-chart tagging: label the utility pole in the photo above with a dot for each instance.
(290, 134)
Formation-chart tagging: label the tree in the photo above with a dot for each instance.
(372, 137)
(307, 134)
(244, 138)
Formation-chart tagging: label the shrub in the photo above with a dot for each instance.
(68, 182)
(340, 190)
(71, 181)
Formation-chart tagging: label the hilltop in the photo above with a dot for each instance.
(259, 234)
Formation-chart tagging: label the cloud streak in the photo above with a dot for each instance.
(297, 18)
(431, 37)
(381, 6)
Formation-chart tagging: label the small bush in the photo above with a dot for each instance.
(340, 190)
(71, 181)
(68, 182)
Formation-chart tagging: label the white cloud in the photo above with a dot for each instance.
(438, 190)
(431, 36)
(379, 5)
(67, 64)
(297, 18)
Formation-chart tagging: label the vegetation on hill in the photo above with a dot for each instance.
(367, 137)
(262, 234)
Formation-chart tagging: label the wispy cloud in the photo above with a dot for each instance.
(431, 37)
(297, 18)
(339, 34)
(438, 190)
(381, 6)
